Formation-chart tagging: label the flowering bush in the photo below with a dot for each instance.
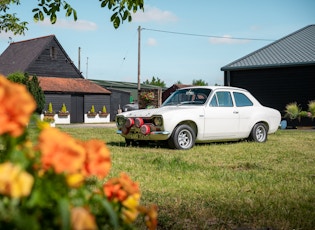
(147, 96)
(57, 181)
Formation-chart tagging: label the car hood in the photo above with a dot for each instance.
(160, 111)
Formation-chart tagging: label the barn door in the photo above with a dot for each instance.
(77, 113)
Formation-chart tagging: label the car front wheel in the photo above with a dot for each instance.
(183, 137)
(259, 133)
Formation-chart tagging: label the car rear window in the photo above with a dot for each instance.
(242, 100)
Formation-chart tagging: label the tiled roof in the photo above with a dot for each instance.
(70, 85)
(19, 55)
(297, 48)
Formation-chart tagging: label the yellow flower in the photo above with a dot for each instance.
(81, 219)
(14, 181)
(75, 180)
(17, 105)
(130, 209)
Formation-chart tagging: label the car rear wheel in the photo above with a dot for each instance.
(259, 133)
(183, 137)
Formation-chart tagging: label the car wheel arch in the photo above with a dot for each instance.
(188, 130)
(190, 123)
(252, 136)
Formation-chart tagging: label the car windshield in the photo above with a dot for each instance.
(191, 96)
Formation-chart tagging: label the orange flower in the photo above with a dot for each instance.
(14, 181)
(97, 161)
(17, 105)
(60, 151)
(118, 189)
(81, 219)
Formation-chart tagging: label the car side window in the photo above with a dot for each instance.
(214, 101)
(242, 100)
(221, 99)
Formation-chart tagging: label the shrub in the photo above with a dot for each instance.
(50, 108)
(311, 108)
(63, 108)
(92, 110)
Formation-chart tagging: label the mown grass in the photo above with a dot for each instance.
(241, 185)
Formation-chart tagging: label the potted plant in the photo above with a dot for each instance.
(311, 109)
(50, 111)
(91, 112)
(103, 113)
(63, 112)
(294, 112)
(50, 120)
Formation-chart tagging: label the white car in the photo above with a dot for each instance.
(201, 114)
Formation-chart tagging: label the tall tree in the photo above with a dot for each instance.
(10, 22)
(32, 84)
(199, 82)
(155, 81)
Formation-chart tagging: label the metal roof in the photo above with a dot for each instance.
(294, 49)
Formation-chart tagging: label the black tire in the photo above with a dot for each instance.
(183, 137)
(259, 133)
(128, 142)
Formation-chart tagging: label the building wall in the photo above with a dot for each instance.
(117, 100)
(52, 62)
(98, 101)
(77, 104)
(276, 87)
(57, 100)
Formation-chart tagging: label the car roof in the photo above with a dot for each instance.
(216, 88)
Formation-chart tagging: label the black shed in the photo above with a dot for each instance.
(279, 73)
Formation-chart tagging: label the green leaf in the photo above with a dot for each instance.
(65, 213)
(110, 211)
(75, 15)
(116, 22)
(126, 14)
(113, 17)
(104, 3)
(41, 15)
(53, 18)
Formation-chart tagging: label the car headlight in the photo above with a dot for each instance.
(120, 121)
(158, 121)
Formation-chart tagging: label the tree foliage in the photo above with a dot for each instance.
(155, 81)
(199, 82)
(121, 9)
(32, 84)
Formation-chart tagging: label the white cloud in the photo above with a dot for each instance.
(151, 42)
(70, 24)
(227, 39)
(154, 14)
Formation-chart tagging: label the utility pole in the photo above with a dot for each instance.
(87, 66)
(139, 43)
(79, 59)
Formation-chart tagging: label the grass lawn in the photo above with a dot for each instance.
(240, 185)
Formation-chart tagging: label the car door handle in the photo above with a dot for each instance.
(235, 112)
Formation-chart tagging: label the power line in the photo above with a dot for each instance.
(208, 36)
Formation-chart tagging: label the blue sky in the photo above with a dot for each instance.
(112, 54)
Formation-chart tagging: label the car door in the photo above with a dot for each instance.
(221, 117)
